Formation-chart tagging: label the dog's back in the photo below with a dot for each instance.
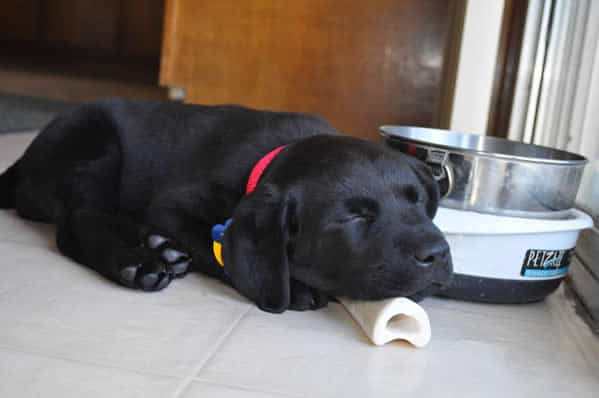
(141, 148)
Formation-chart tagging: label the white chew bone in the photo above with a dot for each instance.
(391, 319)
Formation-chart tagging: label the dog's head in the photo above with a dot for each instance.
(344, 216)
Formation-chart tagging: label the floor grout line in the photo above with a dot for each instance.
(247, 389)
(184, 384)
(87, 363)
(588, 347)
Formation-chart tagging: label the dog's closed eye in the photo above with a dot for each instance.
(412, 194)
(352, 223)
(360, 210)
(409, 193)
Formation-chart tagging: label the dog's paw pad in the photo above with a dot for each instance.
(172, 255)
(128, 275)
(179, 269)
(151, 276)
(154, 281)
(162, 261)
(163, 282)
(155, 241)
(148, 281)
(178, 261)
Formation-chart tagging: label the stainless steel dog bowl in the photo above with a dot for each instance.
(493, 175)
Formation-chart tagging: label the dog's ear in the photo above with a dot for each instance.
(254, 249)
(425, 176)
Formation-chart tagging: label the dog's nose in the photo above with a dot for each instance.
(431, 253)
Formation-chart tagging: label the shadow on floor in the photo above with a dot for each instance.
(22, 113)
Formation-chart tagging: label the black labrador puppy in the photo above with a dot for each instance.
(135, 189)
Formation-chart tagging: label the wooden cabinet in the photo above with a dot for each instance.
(131, 28)
(360, 64)
(81, 50)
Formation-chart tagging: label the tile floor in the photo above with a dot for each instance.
(66, 332)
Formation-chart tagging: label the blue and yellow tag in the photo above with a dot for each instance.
(218, 232)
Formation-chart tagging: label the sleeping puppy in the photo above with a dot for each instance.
(135, 189)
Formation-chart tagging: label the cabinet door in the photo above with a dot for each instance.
(360, 64)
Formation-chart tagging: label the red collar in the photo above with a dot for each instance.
(219, 229)
(260, 167)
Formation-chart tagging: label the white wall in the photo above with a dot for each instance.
(476, 66)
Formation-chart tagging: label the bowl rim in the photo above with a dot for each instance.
(410, 134)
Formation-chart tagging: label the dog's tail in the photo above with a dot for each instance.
(8, 185)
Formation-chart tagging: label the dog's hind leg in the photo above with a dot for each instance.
(92, 230)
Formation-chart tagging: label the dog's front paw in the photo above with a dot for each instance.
(306, 298)
(153, 265)
(176, 258)
(150, 276)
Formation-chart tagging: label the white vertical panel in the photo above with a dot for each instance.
(537, 76)
(565, 82)
(522, 89)
(584, 127)
(589, 139)
(554, 73)
(571, 76)
(588, 74)
(476, 65)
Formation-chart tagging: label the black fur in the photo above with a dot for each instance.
(135, 188)
(8, 182)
